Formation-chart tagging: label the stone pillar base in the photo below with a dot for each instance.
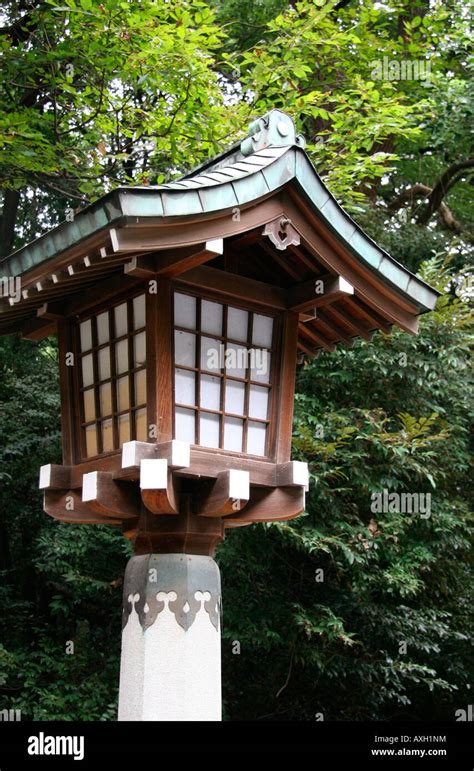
(171, 651)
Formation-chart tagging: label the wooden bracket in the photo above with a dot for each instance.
(143, 266)
(37, 329)
(107, 496)
(292, 474)
(47, 311)
(309, 315)
(318, 292)
(228, 494)
(176, 452)
(132, 455)
(275, 505)
(164, 262)
(159, 488)
(53, 477)
(67, 506)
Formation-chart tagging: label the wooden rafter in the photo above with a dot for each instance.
(318, 292)
(174, 263)
(317, 337)
(354, 325)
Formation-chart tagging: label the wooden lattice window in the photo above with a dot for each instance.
(224, 360)
(112, 371)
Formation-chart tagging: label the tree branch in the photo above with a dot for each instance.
(448, 179)
(21, 29)
(409, 197)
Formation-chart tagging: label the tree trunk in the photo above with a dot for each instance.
(11, 200)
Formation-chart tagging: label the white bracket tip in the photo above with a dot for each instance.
(154, 474)
(89, 486)
(45, 477)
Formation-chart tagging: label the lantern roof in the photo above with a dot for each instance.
(221, 199)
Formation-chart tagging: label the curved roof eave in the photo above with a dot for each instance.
(217, 189)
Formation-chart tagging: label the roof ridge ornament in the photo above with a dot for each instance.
(275, 129)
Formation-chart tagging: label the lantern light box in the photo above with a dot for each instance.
(181, 312)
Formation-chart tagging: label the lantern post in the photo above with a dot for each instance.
(181, 312)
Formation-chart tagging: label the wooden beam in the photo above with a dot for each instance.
(355, 326)
(38, 329)
(177, 454)
(109, 497)
(318, 292)
(333, 329)
(90, 297)
(310, 315)
(316, 337)
(203, 464)
(65, 283)
(45, 311)
(174, 263)
(159, 488)
(234, 286)
(247, 239)
(68, 386)
(169, 262)
(281, 260)
(54, 477)
(305, 349)
(229, 493)
(231, 259)
(67, 506)
(372, 316)
(159, 349)
(285, 389)
(292, 474)
(277, 505)
(143, 266)
(308, 262)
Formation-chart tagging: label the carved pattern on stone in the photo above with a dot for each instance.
(184, 592)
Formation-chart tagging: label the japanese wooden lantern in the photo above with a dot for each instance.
(181, 311)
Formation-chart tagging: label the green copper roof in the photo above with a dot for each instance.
(270, 157)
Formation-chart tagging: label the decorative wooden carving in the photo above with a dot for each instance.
(282, 233)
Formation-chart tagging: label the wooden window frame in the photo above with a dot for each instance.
(159, 367)
(247, 381)
(132, 410)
